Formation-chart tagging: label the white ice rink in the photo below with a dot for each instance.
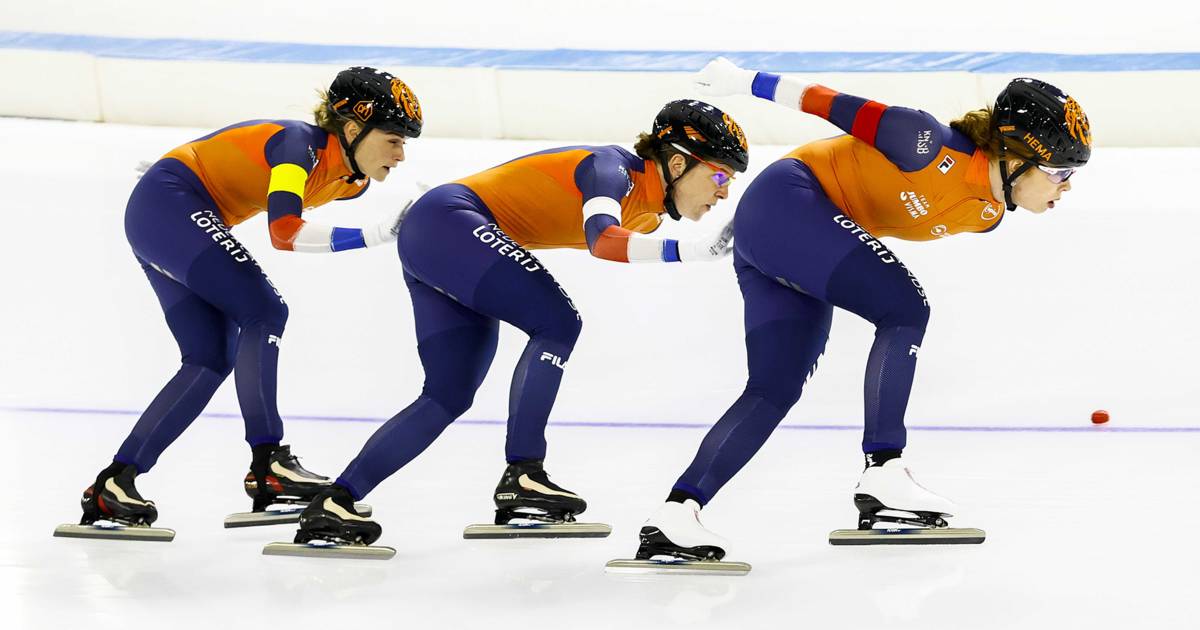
(1034, 326)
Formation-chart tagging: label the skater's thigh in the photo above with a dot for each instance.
(786, 332)
(787, 227)
(177, 231)
(205, 335)
(456, 345)
(451, 243)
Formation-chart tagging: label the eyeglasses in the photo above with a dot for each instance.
(1057, 175)
(719, 177)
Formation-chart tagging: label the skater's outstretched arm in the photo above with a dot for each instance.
(604, 182)
(911, 139)
(290, 155)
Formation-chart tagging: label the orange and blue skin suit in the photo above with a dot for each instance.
(466, 251)
(806, 240)
(219, 305)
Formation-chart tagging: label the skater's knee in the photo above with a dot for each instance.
(912, 313)
(562, 328)
(781, 389)
(269, 312)
(274, 313)
(216, 359)
(453, 398)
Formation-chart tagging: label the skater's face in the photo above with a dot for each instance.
(378, 153)
(1037, 189)
(700, 188)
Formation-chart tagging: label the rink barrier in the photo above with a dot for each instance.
(561, 94)
(650, 425)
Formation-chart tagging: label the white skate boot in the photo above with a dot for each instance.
(889, 494)
(674, 541)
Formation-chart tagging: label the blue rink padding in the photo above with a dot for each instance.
(591, 60)
(1014, 428)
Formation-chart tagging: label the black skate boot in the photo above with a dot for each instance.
(329, 528)
(528, 504)
(526, 492)
(113, 508)
(276, 476)
(280, 488)
(114, 498)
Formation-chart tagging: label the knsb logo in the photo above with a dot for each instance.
(554, 360)
(940, 231)
(989, 212)
(924, 138)
(405, 98)
(946, 165)
(273, 339)
(364, 109)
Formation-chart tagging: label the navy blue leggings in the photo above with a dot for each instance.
(797, 256)
(221, 308)
(465, 276)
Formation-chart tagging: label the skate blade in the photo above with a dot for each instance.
(115, 532)
(908, 536)
(677, 567)
(282, 516)
(538, 530)
(354, 552)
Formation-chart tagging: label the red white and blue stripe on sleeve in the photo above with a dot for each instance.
(909, 138)
(291, 154)
(604, 180)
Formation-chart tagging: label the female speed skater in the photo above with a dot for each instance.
(807, 235)
(465, 251)
(221, 308)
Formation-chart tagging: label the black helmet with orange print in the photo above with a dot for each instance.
(701, 132)
(375, 100)
(1043, 126)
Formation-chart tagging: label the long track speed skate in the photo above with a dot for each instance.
(889, 495)
(113, 510)
(529, 505)
(674, 542)
(329, 528)
(280, 489)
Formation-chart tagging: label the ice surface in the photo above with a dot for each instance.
(1034, 326)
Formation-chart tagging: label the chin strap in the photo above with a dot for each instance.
(1008, 179)
(349, 148)
(669, 196)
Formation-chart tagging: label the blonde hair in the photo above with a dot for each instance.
(977, 125)
(324, 117)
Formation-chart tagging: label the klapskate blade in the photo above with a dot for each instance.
(278, 517)
(538, 530)
(908, 536)
(115, 532)
(677, 567)
(355, 552)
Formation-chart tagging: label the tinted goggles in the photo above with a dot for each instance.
(719, 176)
(1057, 175)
